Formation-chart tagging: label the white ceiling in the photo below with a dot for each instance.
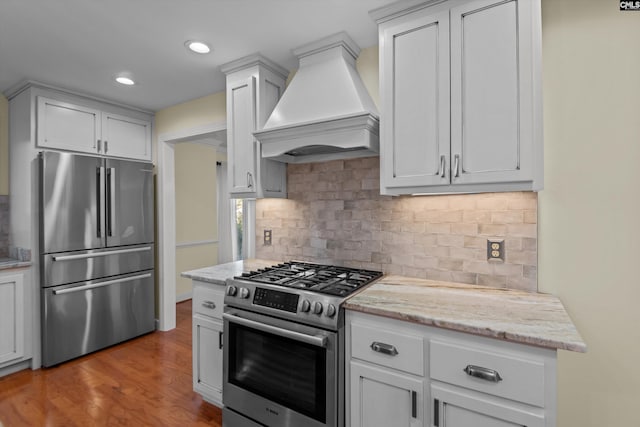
(82, 44)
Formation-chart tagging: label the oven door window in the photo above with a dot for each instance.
(280, 369)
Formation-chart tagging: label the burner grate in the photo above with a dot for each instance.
(326, 279)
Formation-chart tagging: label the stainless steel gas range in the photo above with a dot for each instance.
(284, 345)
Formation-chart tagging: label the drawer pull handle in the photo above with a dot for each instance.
(483, 373)
(209, 304)
(384, 348)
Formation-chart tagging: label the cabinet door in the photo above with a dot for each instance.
(207, 358)
(65, 126)
(415, 102)
(491, 92)
(457, 407)
(383, 398)
(126, 137)
(11, 318)
(242, 149)
(272, 174)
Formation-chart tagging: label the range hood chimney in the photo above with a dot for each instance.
(326, 112)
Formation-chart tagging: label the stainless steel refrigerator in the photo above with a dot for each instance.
(96, 253)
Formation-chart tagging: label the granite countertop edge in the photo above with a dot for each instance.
(217, 274)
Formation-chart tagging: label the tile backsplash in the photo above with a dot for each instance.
(335, 214)
(4, 226)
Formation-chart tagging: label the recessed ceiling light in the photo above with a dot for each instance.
(125, 80)
(197, 47)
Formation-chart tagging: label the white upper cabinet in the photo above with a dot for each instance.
(415, 89)
(63, 125)
(126, 137)
(461, 96)
(66, 126)
(254, 85)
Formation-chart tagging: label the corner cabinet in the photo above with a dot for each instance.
(404, 374)
(16, 320)
(12, 321)
(460, 89)
(208, 339)
(90, 128)
(254, 86)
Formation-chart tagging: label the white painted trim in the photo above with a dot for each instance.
(167, 218)
(196, 243)
(249, 221)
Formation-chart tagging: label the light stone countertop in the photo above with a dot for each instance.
(510, 315)
(217, 274)
(9, 263)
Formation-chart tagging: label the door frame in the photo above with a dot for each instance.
(166, 200)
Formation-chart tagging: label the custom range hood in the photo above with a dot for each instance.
(326, 113)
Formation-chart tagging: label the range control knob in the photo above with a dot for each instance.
(232, 291)
(331, 310)
(244, 293)
(306, 306)
(317, 307)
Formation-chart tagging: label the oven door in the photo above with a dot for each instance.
(279, 373)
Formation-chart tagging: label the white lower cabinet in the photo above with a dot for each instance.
(207, 358)
(459, 407)
(382, 397)
(405, 374)
(207, 341)
(12, 318)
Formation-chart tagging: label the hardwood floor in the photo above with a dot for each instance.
(143, 382)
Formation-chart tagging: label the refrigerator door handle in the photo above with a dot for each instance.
(99, 254)
(101, 284)
(111, 199)
(99, 197)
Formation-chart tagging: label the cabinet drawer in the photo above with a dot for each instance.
(521, 379)
(208, 300)
(393, 349)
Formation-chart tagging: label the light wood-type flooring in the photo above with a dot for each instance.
(142, 382)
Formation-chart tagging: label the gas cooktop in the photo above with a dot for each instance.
(325, 279)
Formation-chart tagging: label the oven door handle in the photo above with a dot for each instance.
(316, 340)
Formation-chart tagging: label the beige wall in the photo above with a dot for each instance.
(195, 182)
(367, 66)
(196, 216)
(4, 145)
(194, 113)
(589, 229)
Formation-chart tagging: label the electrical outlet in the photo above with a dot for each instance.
(267, 237)
(495, 250)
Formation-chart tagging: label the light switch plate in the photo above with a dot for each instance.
(267, 237)
(495, 250)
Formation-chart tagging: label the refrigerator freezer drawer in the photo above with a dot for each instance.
(71, 267)
(85, 317)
